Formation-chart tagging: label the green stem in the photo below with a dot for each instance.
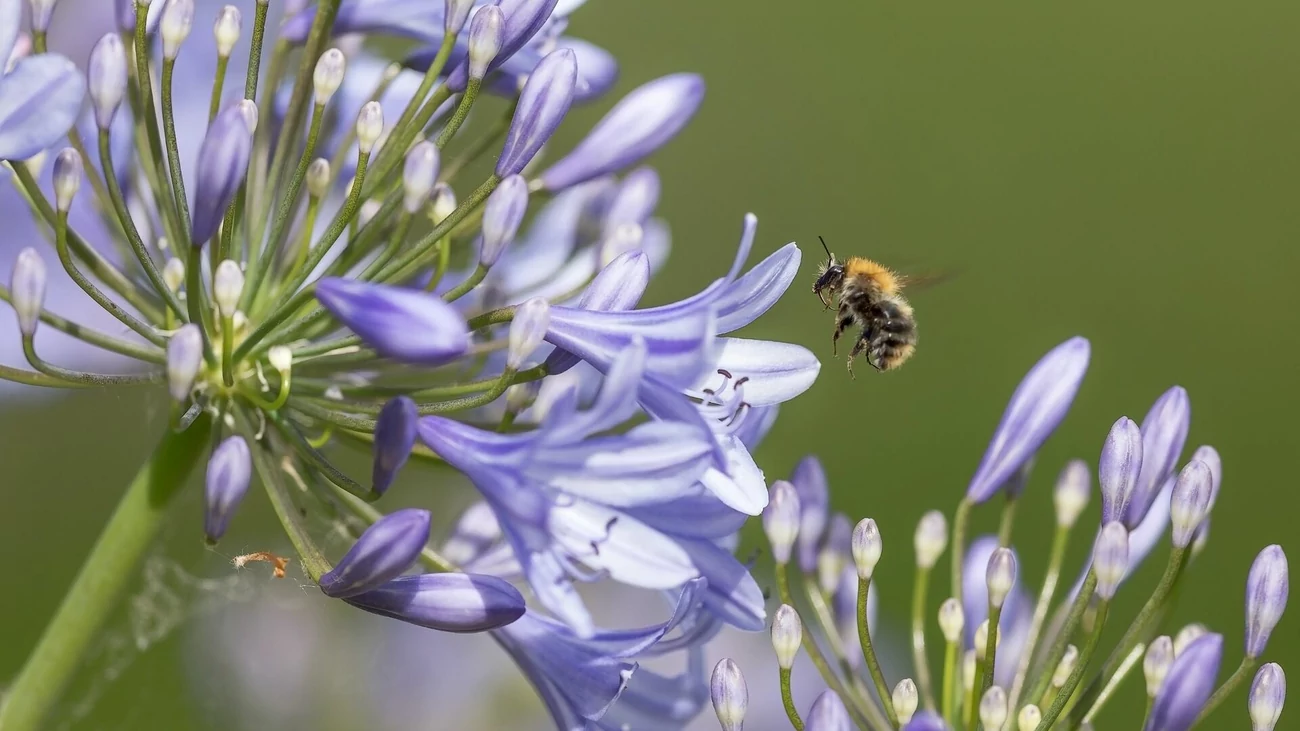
(94, 337)
(960, 521)
(214, 103)
(1072, 620)
(949, 682)
(990, 658)
(1006, 521)
(103, 578)
(1080, 667)
(1242, 673)
(101, 299)
(462, 111)
(255, 51)
(869, 654)
(1116, 680)
(923, 681)
(1059, 543)
(787, 698)
(464, 288)
(173, 151)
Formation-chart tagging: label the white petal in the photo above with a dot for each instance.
(632, 552)
(776, 371)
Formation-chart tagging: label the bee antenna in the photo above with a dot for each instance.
(829, 255)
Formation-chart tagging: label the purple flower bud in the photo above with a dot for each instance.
(223, 161)
(380, 555)
(544, 101)
(1189, 503)
(1266, 593)
(106, 78)
(635, 199)
(1118, 469)
(406, 325)
(866, 546)
(418, 176)
(523, 19)
(926, 721)
(67, 177)
(828, 714)
(455, 13)
(370, 126)
(446, 602)
(230, 469)
(781, 520)
(1156, 663)
(502, 214)
(1110, 558)
(809, 480)
(1038, 405)
(787, 633)
(1188, 686)
(527, 330)
(486, 33)
(642, 122)
(1267, 696)
(1164, 432)
(184, 356)
(1000, 575)
(394, 438)
(729, 694)
(27, 288)
(177, 20)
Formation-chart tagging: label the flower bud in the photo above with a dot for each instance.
(543, 102)
(448, 602)
(184, 356)
(809, 480)
(1065, 666)
(834, 553)
(444, 202)
(230, 469)
(635, 199)
(370, 125)
(981, 640)
(486, 34)
(1156, 662)
(730, 695)
(248, 109)
(280, 357)
(1073, 489)
(394, 438)
(406, 325)
(67, 178)
(1118, 468)
(419, 175)
(931, 539)
(226, 30)
(27, 284)
(502, 215)
(781, 520)
(952, 620)
(381, 554)
(227, 286)
(41, 12)
(527, 330)
(867, 547)
(1187, 688)
(1187, 635)
(1189, 503)
(787, 633)
(1266, 594)
(173, 274)
(177, 19)
(1164, 432)
(1110, 559)
(829, 714)
(328, 75)
(905, 699)
(1267, 696)
(223, 162)
(455, 13)
(106, 78)
(1000, 576)
(524, 18)
(318, 178)
(1029, 718)
(993, 708)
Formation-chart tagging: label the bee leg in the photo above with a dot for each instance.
(863, 347)
(844, 319)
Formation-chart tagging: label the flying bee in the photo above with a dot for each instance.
(869, 296)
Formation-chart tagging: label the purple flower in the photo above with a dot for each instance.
(1267, 696)
(381, 554)
(926, 721)
(394, 438)
(642, 122)
(230, 469)
(1267, 588)
(1164, 432)
(729, 694)
(809, 479)
(1118, 469)
(828, 714)
(652, 700)
(40, 97)
(502, 215)
(524, 18)
(1017, 609)
(1188, 685)
(1038, 405)
(403, 324)
(223, 161)
(446, 602)
(544, 101)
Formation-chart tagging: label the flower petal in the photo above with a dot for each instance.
(403, 324)
(446, 602)
(629, 550)
(777, 371)
(39, 102)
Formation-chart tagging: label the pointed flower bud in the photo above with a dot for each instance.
(394, 438)
(931, 539)
(1110, 558)
(809, 480)
(642, 122)
(67, 177)
(227, 286)
(781, 520)
(1118, 468)
(1188, 686)
(1073, 489)
(828, 714)
(993, 708)
(381, 554)
(280, 357)
(1000, 575)
(407, 325)
(787, 633)
(318, 178)
(445, 602)
(905, 699)
(1187, 635)
(1266, 594)
(223, 161)
(248, 108)
(543, 102)
(226, 30)
(867, 547)
(1065, 666)
(370, 125)
(41, 12)
(486, 34)
(106, 78)
(173, 274)
(455, 13)
(328, 75)
(527, 330)
(730, 695)
(419, 175)
(952, 619)
(834, 553)
(230, 469)
(1029, 718)
(27, 284)
(1267, 696)
(502, 215)
(1038, 405)
(524, 18)
(444, 202)
(177, 19)
(1156, 663)
(1164, 432)
(1189, 503)
(184, 356)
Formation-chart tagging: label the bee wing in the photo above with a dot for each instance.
(926, 280)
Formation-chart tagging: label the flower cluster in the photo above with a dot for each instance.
(1014, 658)
(272, 228)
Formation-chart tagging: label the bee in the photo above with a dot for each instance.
(869, 296)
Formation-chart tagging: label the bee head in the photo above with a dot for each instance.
(831, 274)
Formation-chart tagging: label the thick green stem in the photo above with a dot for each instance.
(923, 681)
(869, 654)
(103, 578)
(787, 698)
(990, 659)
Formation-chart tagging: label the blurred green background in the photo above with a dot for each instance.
(1123, 171)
